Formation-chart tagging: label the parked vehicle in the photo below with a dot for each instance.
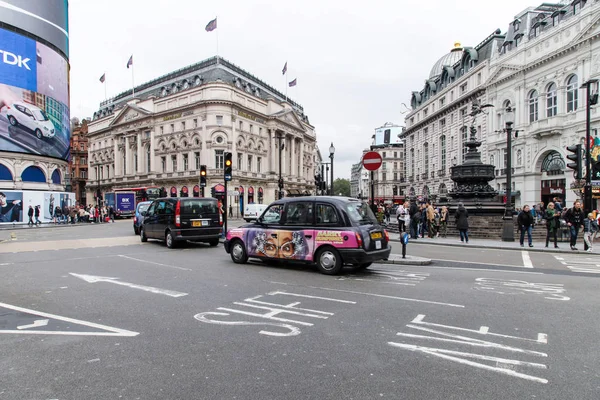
(328, 231)
(138, 219)
(123, 203)
(253, 211)
(30, 118)
(177, 219)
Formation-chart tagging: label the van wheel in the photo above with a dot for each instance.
(328, 261)
(38, 134)
(214, 242)
(13, 121)
(170, 241)
(143, 236)
(238, 252)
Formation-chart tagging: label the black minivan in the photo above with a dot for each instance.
(177, 219)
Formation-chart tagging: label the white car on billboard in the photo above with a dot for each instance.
(31, 118)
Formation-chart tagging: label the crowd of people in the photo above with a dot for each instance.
(73, 214)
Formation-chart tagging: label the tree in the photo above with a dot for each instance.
(341, 186)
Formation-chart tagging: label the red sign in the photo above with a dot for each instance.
(372, 161)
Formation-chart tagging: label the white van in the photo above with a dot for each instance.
(253, 211)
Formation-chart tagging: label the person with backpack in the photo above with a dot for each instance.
(590, 227)
(552, 218)
(574, 217)
(462, 222)
(526, 222)
(415, 216)
(401, 216)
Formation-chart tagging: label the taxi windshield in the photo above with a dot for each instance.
(359, 212)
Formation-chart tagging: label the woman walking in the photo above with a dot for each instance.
(462, 222)
(444, 221)
(552, 224)
(590, 227)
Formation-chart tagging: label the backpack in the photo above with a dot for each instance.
(564, 212)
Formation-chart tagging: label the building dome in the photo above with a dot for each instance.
(448, 59)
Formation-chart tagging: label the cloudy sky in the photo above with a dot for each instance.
(355, 61)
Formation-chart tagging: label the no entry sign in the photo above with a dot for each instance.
(372, 161)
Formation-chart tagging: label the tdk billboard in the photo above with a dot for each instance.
(18, 66)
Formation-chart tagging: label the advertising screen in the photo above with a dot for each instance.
(34, 98)
(387, 135)
(15, 205)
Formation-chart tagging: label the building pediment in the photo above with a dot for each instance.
(289, 117)
(502, 72)
(589, 31)
(129, 113)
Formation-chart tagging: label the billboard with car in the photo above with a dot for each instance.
(34, 97)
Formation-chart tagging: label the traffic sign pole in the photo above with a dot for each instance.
(372, 162)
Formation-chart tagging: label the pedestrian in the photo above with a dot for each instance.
(111, 213)
(386, 213)
(415, 216)
(400, 216)
(444, 221)
(552, 224)
(558, 204)
(462, 222)
(590, 228)
(30, 215)
(423, 221)
(526, 222)
(574, 217)
(36, 214)
(230, 211)
(431, 224)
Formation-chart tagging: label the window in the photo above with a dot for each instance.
(505, 158)
(163, 163)
(463, 88)
(452, 95)
(384, 177)
(517, 40)
(516, 25)
(533, 106)
(83, 161)
(162, 130)
(251, 128)
(172, 128)
(174, 163)
(424, 113)
(536, 30)
(197, 159)
(135, 161)
(384, 154)
(479, 78)
(258, 162)
(327, 215)
(249, 163)
(183, 125)
(442, 102)
(299, 213)
(464, 134)
(259, 130)
(426, 157)
(185, 162)
(83, 174)
(240, 157)
(196, 122)
(384, 165)
(395, 155)
(219, 159)
(442, 124)
(551, 100)
(576, 7)
(81, 147)
(273, 214)
(241, 123)
(395, 165)
(412, 161)
(443, 152)
(148, 159)
(219, 120)
(572, 93)
(395, 176)
(555, 19)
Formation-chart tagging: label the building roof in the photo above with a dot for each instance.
(446, 60)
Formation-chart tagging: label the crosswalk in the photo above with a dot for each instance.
(588, 265)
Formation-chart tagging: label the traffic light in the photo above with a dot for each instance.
(203, 176)
(212, 192)
(596, 171)
(577, 165)
(228, 167)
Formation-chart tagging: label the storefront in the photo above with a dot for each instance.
(552, 188)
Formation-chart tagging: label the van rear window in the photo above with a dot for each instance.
(199, 206)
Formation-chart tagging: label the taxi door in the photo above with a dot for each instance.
(295, 236)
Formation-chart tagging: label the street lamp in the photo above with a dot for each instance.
(508, 226)
(331, 153)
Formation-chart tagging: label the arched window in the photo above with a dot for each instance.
(56, 177)
(533, 106)
(33, 174)
(572, 93)
(551, 100)
(5, 174)
(553, 164)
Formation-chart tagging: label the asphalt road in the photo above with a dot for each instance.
(93, 314)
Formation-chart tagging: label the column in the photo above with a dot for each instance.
(301, 159)
(293, 158)
(273, 151)
(140, 154)
(152, 158)
(117, 159)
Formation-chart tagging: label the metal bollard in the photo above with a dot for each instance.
(404, 240)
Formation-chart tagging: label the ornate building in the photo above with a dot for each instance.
(78, 166)
(191, 117)
(548, 53)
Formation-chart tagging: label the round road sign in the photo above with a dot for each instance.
(372, 161)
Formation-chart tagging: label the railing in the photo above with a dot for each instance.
(441, 172)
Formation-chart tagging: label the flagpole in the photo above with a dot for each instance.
(217, 18)
(105, 96)
(132, 82)
(286, 84)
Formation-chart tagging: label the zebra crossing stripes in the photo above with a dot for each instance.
(588, 265)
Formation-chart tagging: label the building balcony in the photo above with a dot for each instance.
(441, 173)
(433, 174)
(424, 175)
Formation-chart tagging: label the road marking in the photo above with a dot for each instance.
(310, 297)
(396, 277)
(550, 291)
(94, 279)
(503, 365)
(109, 331)
(153, 263)
(475, 269)
(36, 323)
(526, 259)
(373, 294)
(579, 264)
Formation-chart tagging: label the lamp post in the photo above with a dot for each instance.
(331, 153)
(280, 146)
(508, 226)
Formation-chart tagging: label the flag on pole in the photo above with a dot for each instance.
(293, 83)
(103, 77)
(130, 62)
(211, 26)
(284, 69)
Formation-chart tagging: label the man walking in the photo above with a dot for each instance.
(574, 218)
(526, 221)
(36, 213)
(415, 216)
(30, 215)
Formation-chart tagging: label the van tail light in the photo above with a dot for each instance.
(178, 214)
(359, 241)
(387, 235)
(135, 220)
(220, 219)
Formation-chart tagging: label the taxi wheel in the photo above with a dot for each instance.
(143, 236)
(329, 261)
(170, 241)
(214, 242)
(238, 252)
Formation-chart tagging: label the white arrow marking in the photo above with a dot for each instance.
(94, 279)
(36, 323)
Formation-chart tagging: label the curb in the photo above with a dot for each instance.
(494, 247)
(409, 260)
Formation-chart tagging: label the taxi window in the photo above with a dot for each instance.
(326, 215)
(360, 213)
(299, 213)
(272, 215)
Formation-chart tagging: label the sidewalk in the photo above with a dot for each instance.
(500, 245)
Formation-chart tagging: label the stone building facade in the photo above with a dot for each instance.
(78, 165)
(191, 117)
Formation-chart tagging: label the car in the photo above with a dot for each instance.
(30, 118)
(138, 218)
(328, 231)
(178, 219)
(253, 211)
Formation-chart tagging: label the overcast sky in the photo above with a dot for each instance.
(355, 61)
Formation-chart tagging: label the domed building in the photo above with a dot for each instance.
(436, 130)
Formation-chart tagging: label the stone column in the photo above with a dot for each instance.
(140, 154)
(294, 168)
(152, 148)
(273, 151)
(117, 159)
(127, 167)
(301, 159)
